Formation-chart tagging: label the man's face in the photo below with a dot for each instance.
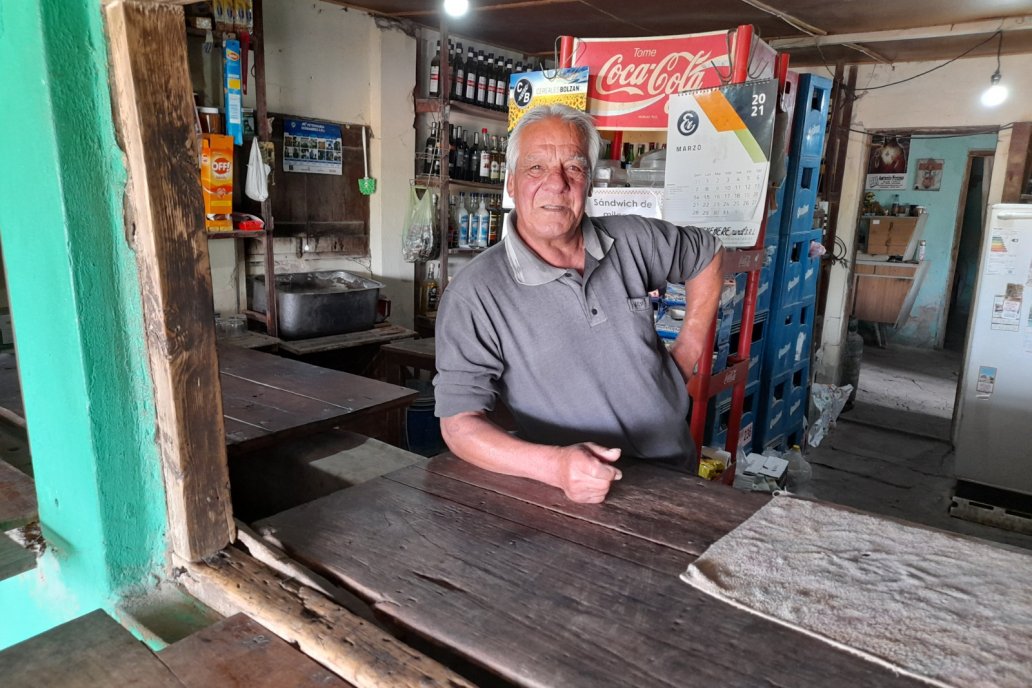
(551, 180)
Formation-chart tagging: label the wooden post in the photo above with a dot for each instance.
(265, 136)
(152, 103)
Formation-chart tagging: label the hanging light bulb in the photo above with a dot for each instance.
(456, 8)
(997, 92)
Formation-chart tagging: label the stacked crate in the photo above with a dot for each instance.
(785, 382)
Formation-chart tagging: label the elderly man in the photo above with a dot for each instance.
(556, 322)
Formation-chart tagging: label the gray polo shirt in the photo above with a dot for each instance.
(574, 358)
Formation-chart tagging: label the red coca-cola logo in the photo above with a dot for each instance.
(673, 73)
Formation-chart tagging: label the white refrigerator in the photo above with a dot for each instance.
(992, 431)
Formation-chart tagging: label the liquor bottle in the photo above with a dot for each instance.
(432, 292)
(435, 73)
(502, 145)
(472, 75)
(496, 220)
(474, 219)
(474, 159)
(463, 216)
(462, 157)
(483, 223)
(429, 148)
(484, 169)
(453, 150)
(492, 82)
(481, 79)
(458, 75)
(453, 224)
(502, 98)
(496, 157)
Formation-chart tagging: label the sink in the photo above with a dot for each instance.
(317, 304)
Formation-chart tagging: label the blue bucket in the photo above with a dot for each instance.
(422, 427)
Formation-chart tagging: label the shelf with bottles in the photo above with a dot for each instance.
(473, 80)
(477, 161)
(425, 105)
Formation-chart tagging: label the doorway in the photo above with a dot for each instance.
(911, 386)
(965, 265)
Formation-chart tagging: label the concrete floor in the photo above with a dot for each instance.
(891, 454)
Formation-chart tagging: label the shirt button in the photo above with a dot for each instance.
(566, 274)
(594, 311)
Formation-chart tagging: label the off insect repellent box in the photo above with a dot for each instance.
(217, 181)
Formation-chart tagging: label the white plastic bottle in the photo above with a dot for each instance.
(474, 221)
(463, 221)
(483, 224)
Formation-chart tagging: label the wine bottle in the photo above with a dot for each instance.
(435, 73)
(429, 149)
(458, 75)
(472, 75)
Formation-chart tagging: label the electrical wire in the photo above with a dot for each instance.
(854, 91)
(929, 137)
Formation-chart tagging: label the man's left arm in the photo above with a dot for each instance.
(701, 297)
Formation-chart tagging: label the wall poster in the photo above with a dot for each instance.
(313, 147)
(718, 159)
(887, 164)
(929, 174)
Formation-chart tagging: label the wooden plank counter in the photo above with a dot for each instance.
(509, 575)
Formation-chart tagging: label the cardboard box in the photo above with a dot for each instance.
(217, 181)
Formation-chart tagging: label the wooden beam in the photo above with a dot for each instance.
(1018, 157)
(154, 118)
(940, 31)
(352, 648)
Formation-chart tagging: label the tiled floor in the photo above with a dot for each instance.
(891, 454)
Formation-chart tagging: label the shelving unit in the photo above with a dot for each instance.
(256, 44)
(444, 106)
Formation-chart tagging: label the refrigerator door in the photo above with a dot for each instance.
(993, 429)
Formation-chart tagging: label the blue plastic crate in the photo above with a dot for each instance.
(770, 409)
(789, 338)
(810, 271)
(798, 398)
(801, 195)
(725, 320)
(811, 114)
(763, 292)
(718, 413)
(795, 271)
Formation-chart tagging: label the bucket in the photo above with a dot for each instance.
(422, 427)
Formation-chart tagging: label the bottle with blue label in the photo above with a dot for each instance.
(474, 219)
(463, 221)
(483, 223)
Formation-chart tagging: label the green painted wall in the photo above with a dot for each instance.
(78, 323)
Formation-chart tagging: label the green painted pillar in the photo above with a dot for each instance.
(78, 322)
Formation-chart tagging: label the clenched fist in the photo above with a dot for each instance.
(585, 473)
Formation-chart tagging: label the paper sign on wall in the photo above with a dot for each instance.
(718, 159)
(646, 202)
(558, 86)
(887, 164)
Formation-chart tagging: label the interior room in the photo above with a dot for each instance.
(742, 399)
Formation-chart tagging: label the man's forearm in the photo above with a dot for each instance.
(701, 296)
(474, 438)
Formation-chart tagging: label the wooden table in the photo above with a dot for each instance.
(382, 333)
(419, 354)
(510, 576)
(267, 398)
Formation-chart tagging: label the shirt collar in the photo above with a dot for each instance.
(529, 270)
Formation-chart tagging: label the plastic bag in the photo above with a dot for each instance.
(829, 401)
(256, 186)
(418, 242)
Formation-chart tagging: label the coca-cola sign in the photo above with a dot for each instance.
(631, 78)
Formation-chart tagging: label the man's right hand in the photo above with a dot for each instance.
(585, 473)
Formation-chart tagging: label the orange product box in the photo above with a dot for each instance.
(217, 181)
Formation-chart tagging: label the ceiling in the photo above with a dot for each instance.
(532, 26)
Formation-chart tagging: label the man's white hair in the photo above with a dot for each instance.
(581, 120)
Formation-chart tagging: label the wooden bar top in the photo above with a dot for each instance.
(512, 577)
